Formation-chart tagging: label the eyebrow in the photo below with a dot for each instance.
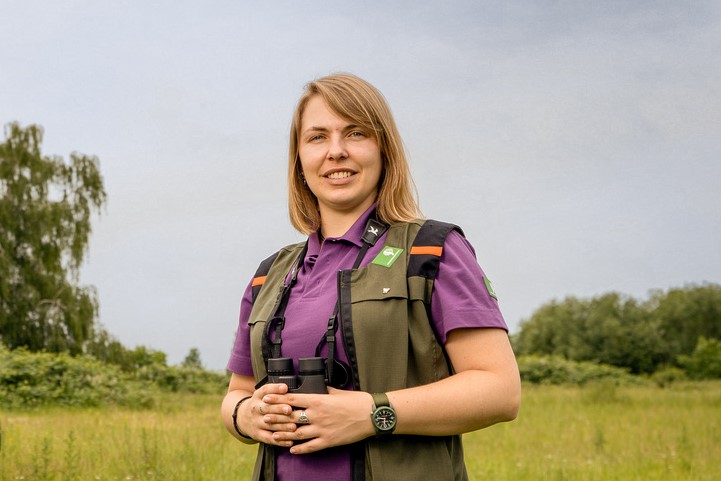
(324, 129)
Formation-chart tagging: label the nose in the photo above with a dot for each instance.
(336, 148)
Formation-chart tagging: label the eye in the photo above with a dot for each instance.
(315, 138)
(357, 134)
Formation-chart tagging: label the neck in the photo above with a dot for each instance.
(335, 223)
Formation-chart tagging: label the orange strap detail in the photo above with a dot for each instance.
(258, 281)
(432, 250)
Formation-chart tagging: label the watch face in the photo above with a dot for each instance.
(384, 418)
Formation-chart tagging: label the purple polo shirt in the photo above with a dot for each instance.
(460, 299)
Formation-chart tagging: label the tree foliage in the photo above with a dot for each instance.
(705, 361)
(685, 315)
(621, 331)
(45, 209)
(192, 360)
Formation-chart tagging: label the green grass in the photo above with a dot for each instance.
(596, 432)
(603, 432)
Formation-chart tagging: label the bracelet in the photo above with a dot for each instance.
(235, 417)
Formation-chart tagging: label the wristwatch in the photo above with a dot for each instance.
(382, 414)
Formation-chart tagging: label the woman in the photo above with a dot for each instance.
(417, 349)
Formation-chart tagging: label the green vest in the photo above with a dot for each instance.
(390, 343)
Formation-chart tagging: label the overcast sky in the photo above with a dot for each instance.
(578, 144)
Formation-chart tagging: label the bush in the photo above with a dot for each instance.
(182, 379)
(30, 380)
(705, 361)
(33, 379)
(668, 375)
(557, 370)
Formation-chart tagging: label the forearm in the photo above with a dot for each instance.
(226, 413)
(464, 402)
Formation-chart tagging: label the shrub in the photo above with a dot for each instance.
(705, 361)
(668, 375)
(33, 379)
(30, 380)
(182, 379)
(557, 370)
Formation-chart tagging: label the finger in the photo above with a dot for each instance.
(276, 441)
(298, 434)
(281, 427)
(292, 399)
(264, 407)
(311, 446)
(272, 388)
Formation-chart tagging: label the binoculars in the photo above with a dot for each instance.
(310, 378)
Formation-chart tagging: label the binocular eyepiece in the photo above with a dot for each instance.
(310, 378)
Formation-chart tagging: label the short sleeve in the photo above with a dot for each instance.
(462, 295)
(240, 362)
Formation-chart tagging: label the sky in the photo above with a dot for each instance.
(578, 144)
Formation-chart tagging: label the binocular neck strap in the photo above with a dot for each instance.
(272, 347)
(373, 231)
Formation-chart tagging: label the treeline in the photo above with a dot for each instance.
(33, 379)
(672, 333)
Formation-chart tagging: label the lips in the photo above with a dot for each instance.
(339, 174)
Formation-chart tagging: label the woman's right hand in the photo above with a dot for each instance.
(253, 418)
(257, 415)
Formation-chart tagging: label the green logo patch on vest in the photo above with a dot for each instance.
(489, 287)
(387, 256)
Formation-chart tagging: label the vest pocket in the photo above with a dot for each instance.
(379, 320)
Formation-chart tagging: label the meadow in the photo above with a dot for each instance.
(595, 432)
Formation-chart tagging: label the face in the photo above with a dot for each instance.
(341, 161)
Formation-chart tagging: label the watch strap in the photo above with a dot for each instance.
(380, 399)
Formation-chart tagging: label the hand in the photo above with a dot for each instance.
(262, 419)
(338, 418)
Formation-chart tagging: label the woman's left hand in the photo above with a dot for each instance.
(333, 419)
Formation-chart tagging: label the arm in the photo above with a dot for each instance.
(251, 418)
(238, 388)
(485, 390)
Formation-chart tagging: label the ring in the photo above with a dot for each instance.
(303, 419)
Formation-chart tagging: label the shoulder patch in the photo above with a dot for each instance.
(489, 287)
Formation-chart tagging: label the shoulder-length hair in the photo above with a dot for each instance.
(358, 102)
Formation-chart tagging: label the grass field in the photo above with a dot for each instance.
(598, 432)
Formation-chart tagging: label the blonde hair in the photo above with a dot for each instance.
(357, 101)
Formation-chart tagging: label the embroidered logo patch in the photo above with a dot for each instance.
(387, 256)
(489, 287)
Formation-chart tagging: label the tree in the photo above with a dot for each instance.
(686, 314)
(610, 329)
(45, 208)
(192, 360)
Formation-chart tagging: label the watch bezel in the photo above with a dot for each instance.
(384, 411)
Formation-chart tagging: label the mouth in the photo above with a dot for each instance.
(339, 174)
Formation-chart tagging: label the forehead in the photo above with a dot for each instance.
(317, 113)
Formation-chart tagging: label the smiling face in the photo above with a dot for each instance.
(341, 161)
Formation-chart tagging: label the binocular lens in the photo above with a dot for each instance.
(311, 365)
(280, 366)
